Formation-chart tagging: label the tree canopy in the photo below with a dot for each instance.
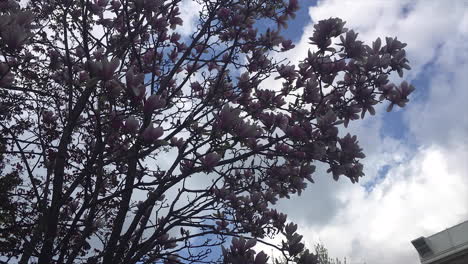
(124, 141)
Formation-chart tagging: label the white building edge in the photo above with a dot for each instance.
(446, 247)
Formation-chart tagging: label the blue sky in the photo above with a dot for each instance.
(296, 26)
(416, 180)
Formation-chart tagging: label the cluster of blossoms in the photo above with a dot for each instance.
(241, 252)
(107, 112)
(307, 130)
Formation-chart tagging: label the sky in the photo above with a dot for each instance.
(416, 181)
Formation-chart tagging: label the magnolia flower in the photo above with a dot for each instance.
(224, 13)
(312, 91)
(228, 118)
(131, 125)
(74, 205)
(210, 160)
(382, 79)
(151, 133)
(268, 120)
(349, 146)
(287, 45)
(290, 228)
(376, 45)
(327, 119)
(177, 142)
(350, 113)
(393, 45)
(174, 21)
(386, 90)
(100, 223)
(6, 77)
(244, 82)
(115, 5)
(172, 259)
(163, 238)
(293, 6)
(192, 67)
(282, 121)
(265, 95)
(173, 55)
(324, 30)
(405, 89)
(399, 96)
(385, 61)
(241, 251)
(282, 148)
(116, 120)
(149, 56)
(286, 72)
(102, 3)
(153, 102)
(133, 78)
(135, 83)
(212, 65)
(246, 130)
(308, 258)
(221, 225)
(175, 37)
(83, 76)
(114, 88)
(48, 117)
(186, 166)
(108, 68)
(99, 53)
(14, 36)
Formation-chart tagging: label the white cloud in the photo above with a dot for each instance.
(189, 12)
(441, 119)
(425, 190)
(420, 197)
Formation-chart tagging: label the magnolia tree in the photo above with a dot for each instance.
(321, 255)
(124, 141)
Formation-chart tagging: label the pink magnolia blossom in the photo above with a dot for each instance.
(151, 133)
(210, 160)
(154, 102)
(131, 125)
(113, 81)
(6, 77)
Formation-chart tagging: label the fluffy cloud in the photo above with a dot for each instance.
(189, 12)
(420, 197)
(408, 192)
(419, 182)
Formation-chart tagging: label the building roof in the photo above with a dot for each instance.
(448, 245)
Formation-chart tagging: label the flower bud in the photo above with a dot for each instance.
(131, 125)
(210, 160)
(116, 121)
(224, 13)
(14, 36)
(6, 76)
(186, 166)
(48, 117)
(150, 134)
(108, 68)
(114, 88)
(177, 142)
(153, 102)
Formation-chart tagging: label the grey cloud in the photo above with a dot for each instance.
(426, 189)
